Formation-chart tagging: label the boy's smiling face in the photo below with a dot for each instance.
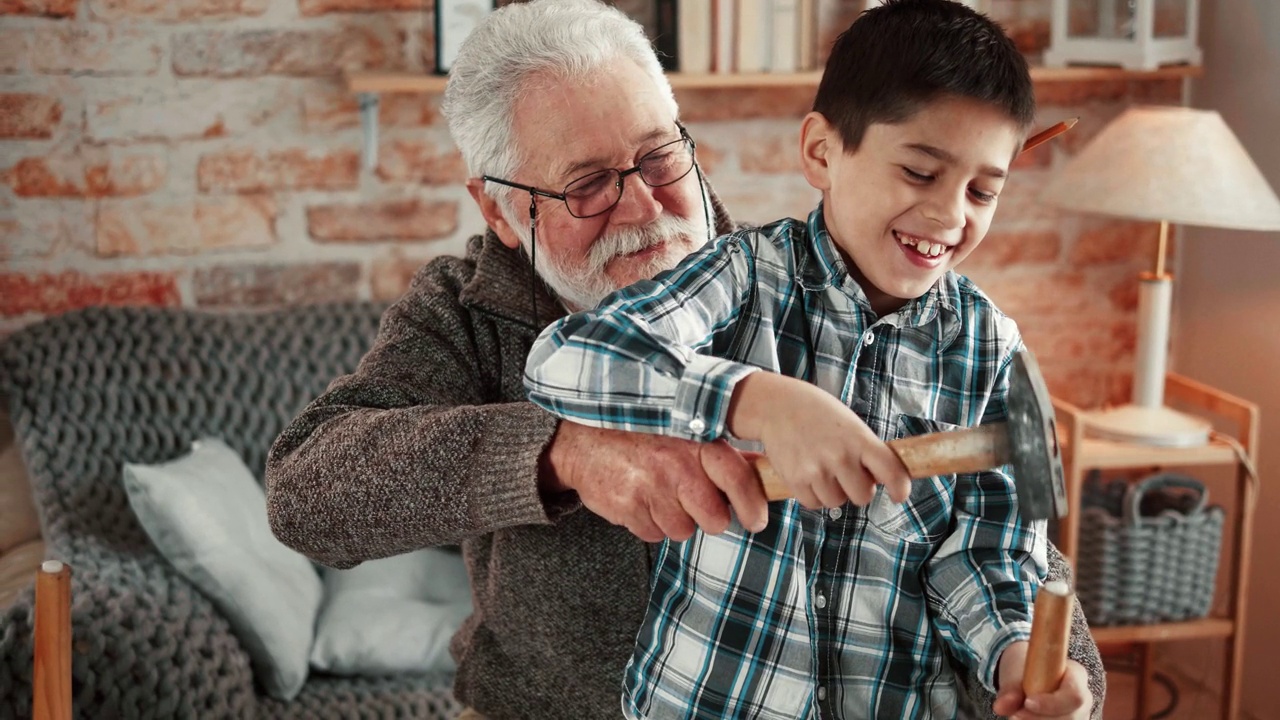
(916, 197)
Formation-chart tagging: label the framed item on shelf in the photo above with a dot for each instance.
(455, 19)
(1134, 34)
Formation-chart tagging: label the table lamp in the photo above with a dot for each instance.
(1168, 165)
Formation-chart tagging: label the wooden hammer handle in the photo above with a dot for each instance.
(1050, 632)
(51, 673)
(941, 453)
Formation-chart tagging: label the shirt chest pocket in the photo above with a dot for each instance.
(925, 518)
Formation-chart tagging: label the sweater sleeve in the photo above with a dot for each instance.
(407, 452)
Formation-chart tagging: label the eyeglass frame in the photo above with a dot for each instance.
(621, 182)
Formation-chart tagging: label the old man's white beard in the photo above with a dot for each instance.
(585, 286)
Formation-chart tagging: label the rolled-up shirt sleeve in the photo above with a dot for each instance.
(642, 360)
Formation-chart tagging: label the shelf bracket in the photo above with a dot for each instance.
(369, 128)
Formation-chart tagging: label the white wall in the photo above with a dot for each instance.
(1228, 308)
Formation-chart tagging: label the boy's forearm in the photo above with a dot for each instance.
(754, 397)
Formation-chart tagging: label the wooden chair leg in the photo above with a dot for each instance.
(51, 677)
(1146, 673)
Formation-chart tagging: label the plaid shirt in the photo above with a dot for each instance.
(823, 614)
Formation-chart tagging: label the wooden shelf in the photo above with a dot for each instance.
(1189, 630)
(378, 83)
(1107, 455)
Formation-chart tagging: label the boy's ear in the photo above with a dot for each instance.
(819, 143)
(492, 213)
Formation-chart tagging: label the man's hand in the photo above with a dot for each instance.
(656, 486)
(820, 448)
(1071, 701)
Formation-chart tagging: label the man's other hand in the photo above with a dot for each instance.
(656, 486)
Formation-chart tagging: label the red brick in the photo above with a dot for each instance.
(146, 111)
(46, 8)
(322, 7)
(1116, 242)
(771, 153)
(177, 10)
(427, 48)
(699, 105)
(1077, 92)
(420, 162)
(710, 157)
(766, 202)
(92, 172)
(45, 229)
(49, 294)
(1002, 249)
(251, 53)
(231, 286)
(1090, 338)
(210, 224)
(334, 108)
(1056, 293)
(14, 52)
(248, 171)
(79, 49)
(1085, 387)
(391, 275)
(399, 220)
(1124, 293)
(1022, 200)
(25, 115)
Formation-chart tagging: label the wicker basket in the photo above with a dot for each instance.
(1148, 551)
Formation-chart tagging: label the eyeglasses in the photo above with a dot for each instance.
(597, 193)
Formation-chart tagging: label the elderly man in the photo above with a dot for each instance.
(571, 135)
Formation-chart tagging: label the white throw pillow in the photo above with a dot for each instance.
(207, 515)
(393, 615)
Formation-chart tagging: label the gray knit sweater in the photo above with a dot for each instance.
(431, 442)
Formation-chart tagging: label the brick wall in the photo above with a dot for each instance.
(203, 153)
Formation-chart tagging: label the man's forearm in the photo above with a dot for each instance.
(348, 484)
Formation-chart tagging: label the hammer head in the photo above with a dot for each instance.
(1033, 443)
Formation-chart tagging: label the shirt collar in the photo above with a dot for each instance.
(822, 267)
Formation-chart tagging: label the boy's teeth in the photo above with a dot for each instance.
(924, 247)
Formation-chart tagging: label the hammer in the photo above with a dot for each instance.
(1028, 441)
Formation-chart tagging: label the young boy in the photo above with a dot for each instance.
(823, 340)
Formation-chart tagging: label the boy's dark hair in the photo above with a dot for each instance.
(899, 56)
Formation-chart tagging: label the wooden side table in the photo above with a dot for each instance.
(1082, 454)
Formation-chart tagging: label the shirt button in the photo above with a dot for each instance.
(822, 693)
(868, 338)
(697, 425)
(836, 513)
(820, 601)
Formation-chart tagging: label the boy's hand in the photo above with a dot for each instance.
(655, 486)
(819, 447)
(1071, 701)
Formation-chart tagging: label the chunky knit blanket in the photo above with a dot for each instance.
(91, 389)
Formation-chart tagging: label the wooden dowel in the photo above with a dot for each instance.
(1050, 631)
(51, 677)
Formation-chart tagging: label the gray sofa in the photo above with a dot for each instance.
(93, 388)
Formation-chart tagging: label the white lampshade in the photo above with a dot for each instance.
(1174, 164)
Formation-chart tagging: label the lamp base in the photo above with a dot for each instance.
(1158, 426)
